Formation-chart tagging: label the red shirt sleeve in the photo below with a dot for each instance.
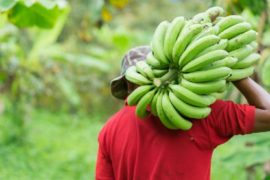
(104, 170)
(227, 119)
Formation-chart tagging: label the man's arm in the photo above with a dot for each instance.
(104, 169)
(259, 98)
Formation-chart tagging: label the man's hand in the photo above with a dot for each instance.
(259, 98)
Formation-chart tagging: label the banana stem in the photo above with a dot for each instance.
(157, 82)
(171, 75)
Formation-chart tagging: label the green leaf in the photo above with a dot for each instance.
(255, 6)
(46, 37)
(41, 14)
(238, 6)
(7, 4)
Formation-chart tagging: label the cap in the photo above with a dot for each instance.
(119, 87)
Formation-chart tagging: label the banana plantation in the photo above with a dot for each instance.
(57, 58)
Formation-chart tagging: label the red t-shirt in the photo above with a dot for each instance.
(131, 148)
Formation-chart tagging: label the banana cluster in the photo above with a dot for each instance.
(190, 62)
(241, 45)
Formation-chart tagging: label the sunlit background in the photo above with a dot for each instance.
(56, 61)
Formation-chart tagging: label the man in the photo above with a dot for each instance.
(143, 149)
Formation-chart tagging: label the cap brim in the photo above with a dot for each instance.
(119, 87)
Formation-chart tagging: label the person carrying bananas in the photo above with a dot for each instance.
(144, 149)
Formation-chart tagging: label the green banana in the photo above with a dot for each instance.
(153, 105)
(228, 61)
(218, 95)
(222, 44)
(254, 45)
(176, 119)
(158, 42)
(188, 110)
(217, 20)
(133, 76)
(169, 76)
(235, 30)
(201, 18)
(204, 60)
(159, 72)
(215, 12)
(152, 61)
(242, 52)
(238, 74)
(208, 30)
(223, 89)
(137, 94)
(208, 75)
(241, 40)
(248, 61)
(185, 37)
(204, 88)
(195, 48)
(190, 97)
(141, 108)
(143, 68)
(161, 114)
(228, 21)
(171, 35)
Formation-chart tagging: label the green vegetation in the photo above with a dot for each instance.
(58, 146)
(55, 70)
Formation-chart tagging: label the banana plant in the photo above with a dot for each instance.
(27, 30)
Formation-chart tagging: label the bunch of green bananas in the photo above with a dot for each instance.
(241, 44)
(190, 61)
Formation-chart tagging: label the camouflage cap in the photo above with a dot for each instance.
(118, 84)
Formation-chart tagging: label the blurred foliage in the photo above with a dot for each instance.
(29, 13)
(60, 56)
(22, 67)
(237, 6)
(59, 146)
(244, 157)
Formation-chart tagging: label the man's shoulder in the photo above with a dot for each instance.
(126, 112)
(220, 103)
(228, 106)
(118, 119)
